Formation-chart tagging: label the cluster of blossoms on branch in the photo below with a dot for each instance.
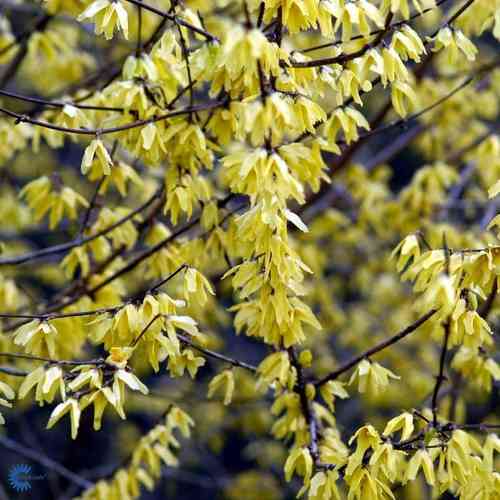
(233, 176)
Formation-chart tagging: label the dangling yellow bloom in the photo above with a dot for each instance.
(108, 16)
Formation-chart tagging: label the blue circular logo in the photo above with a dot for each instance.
(19, 477)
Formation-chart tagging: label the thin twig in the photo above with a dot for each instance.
(57, 104)
(440, 377)
(306, 406)
(44, 460)
(379, 347)
(63, 247)
(343, 58)
(67, 362)
(147, 253)
(374, 32)
(13, 372)
(22, 118)
(51, 316)
(216, 355)
(175, 18)
(139, 31)
(168, 278)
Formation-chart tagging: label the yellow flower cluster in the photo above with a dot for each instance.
(153, 451)
(217, 174)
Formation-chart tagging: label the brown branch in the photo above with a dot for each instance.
(63, 247)
(44, 460)
(174, 18)
(374, 32)
(22, 118)
(441, 376)
(487, 305)
(115, 67)
(374, 350)
(306, 406)
(150, 251)
(185, 56)
(94, 201)
(131, 265)
(457, 14)
(404, 121)
(456, 155)
(13, 372)
(80, 285)
(109, 310)
(394, 147)
(477, 427)
(138, 49)
(168, 278)
(50, 316)
(348, 57)
(68, 362)
(58, 104)
(218, 356)
(343, 58)
(378, 80)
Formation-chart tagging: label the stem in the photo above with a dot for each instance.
(57, 104)
(67, 362)
(175, 18)
(441, 377)
(216, 355)
(139, 31)
(20, 118)
(20, 259)
(343, 58)
(13, 372)
(374, 350)
(374, 32)
(44, 460)
(306, 406)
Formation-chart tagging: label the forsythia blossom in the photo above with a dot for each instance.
(317, 177)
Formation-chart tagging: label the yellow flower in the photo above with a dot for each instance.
(223, 382)
(300, 462)
(43, 197)
(37, 337)
(348, 120)
(71, 406)
(6, 394)
(96, 159)
(196, 287)
(402, 97)
(119, 356)
(420, 460)
(332, 389)
(239, 58)
(108, 15)
(323, 486)
(372, 377)
(186, 360)
(403, 422)
(366, 438)
(455, 42)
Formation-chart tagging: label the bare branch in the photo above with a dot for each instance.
(44, 460)
(374, 350)
(216, 355)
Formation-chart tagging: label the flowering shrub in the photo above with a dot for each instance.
(175, 173)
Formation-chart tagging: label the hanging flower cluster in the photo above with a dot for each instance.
(176, 173)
